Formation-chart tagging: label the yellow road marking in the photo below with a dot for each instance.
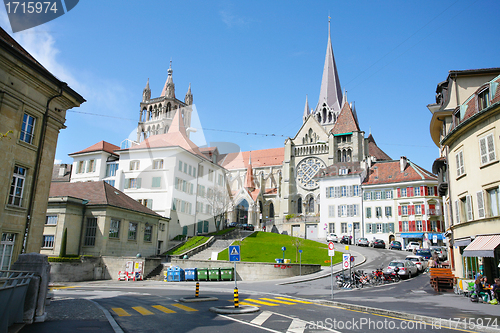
(142, 310)
(244, 303)
(274, 300)
(260, 302)
(62, 287)
(183, 307)
(294, 300)
(120, 312)
(163, 309)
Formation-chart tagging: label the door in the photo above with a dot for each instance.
(295, 230)
(311, 231)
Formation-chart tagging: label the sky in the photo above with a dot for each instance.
(252, 63)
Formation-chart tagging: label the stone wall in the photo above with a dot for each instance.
(251, 271)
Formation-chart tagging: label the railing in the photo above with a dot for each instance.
(13, 288)
(311, 149)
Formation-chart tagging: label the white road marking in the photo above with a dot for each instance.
(297, 326)
(250, 324)
(261, 318)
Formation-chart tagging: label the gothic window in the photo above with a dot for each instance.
(324, 114)
(310, 205)
(339, 155)
(299, 205)
(144, 114)
(306, 170)
(169, 106)
(330, 117)
(319, 118)
(165, 129)
(349, 155)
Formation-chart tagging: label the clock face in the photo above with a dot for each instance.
(306, 170)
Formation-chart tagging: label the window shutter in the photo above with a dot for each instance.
(436, 191)
(468, 204)
(438, 226)
(138, 182)
(368, 228)
(350, 191)
(399, 192)
(126, 183)
(327, 192)
(383, 194)
(457, 161)
(399, 210)
(149, 203)
(409, 191)
(483, 151)
(491, 147)
(339, 210)
(424, 226)
(400, 226)
(480, 204)
(422, 191)
(426, 188)
(457, 211)
(384, 227)
(423, 209)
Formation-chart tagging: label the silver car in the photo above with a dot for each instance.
(419, 261)
(406, 268)
(362, 242)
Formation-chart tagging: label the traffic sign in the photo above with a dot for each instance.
(331, 249)
(345, 262)
(234, 253)
(283, 248)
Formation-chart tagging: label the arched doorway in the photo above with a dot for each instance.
(299, 205)
(261, 212)
(391, 238)
(242, 212)
(271, 213)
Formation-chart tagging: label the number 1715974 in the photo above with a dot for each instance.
(31, 7)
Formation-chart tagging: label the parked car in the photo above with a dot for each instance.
(378, 243)
(345, 240)
(232, 224)
(427, 254)
(419, 261)
(395, 245)
(440, 251)
(362, 242)
(332, 238)
(247, 227)
(412, 245)
(406, 268)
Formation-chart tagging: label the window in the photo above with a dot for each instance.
(405, 226)
(211, 175)
(379, 227)
(91, 166)
(494, 202)
(404, 210)
(221, 180)
(185, 167)
(378, 211)
(483, 99)
(331, 228)
(132, 231)
(487, 149)
(80, 167)
(180, 166)
(114, 229)
(378, 195)
(148, 231)
(418, 209)
(369, 228)
(157, 164)
(388, 194)
(110, 181)
(200, 171)
(459, 158)
(355, 190)
(17, 186)
(431, 190)
(190, 170)
(156, 182)
(6, 249)
(134, 165)
(388, 211)
(343, 227)
(331, 211)
(419, 225)
(111, 169)
(368, 212)
(90, 231)
(48, 241)
(480, 204)
(343, 191)
(368, 195)
(133, 183)
(356, 225)
(403, 192)
(51, 220)
(416, 190)
(27, 129)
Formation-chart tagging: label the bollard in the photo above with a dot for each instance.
(197, 289)
(236, 298)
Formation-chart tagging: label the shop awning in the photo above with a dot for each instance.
(462, 242)
(439, 236)
(482, 246)
(412, 235)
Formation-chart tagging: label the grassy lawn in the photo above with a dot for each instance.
(266, 246)
(191, 243)
(221, 232)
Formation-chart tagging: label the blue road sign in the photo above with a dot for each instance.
(300, 251)
(234, 253)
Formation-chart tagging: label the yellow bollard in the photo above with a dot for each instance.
(197, 289)
(236, 298)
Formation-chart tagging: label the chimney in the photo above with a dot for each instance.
(403, 162)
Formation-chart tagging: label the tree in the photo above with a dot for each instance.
(219, 201)
(297, 243)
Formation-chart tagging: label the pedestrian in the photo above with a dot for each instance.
(495, 289)
(264, 228)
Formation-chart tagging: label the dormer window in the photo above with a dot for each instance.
(483, 99)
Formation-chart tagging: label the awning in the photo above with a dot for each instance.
(462, 242)
(412, 235)
(439, 236)
(482, 246)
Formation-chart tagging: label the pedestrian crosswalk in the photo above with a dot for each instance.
(276, 301)
(148, 311)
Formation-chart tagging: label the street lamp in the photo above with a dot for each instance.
(196, 197)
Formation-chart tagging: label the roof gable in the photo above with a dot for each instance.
(100, 146)
(346, 122)
(375, 151)
(389, 172)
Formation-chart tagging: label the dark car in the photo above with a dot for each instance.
(379, 243)
(395, 245)
(345, 240)
(247, 227)
(427, 254)
(232, 224)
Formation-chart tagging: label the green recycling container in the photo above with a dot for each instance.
(214, 274)
(202, 274)
(227, 274)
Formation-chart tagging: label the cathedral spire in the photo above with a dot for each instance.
(189, 96)
(249, 183)
(169, 88)
(146, 93)
(306, 109)
(330, 92)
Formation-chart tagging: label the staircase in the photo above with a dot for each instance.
(217, 246)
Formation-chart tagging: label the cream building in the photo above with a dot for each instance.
(32, 112)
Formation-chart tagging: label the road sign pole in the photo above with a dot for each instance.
(235, 283)
(331, 272)
(300, 264)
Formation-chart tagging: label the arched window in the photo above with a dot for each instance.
(169, 106)
(310, 205)
(324, 114)
(299, 205)
(271, 211)
(242, 212)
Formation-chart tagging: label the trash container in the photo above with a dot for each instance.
(191, 274)
(279, 260)
(287, 261)
(227, 274)
(178, 274)
(169, 274)
(214, 274)
(202, 274)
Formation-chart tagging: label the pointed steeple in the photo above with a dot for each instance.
(330, 92)
(146, 93)
(177, 125)
(306, 110)
(169, 88)
(249, 183)
(189, 96)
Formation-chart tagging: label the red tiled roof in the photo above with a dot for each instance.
(272, 191)
(98, 193)
(260, 158)
(374, 150)
(254, 194)
(100, 146)
(389, 172)
(333, 170)
(346, 121)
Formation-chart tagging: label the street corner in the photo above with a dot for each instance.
(233, 310)
(198, 299)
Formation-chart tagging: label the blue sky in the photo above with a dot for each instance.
(251, 64)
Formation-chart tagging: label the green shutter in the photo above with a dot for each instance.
(138, 182)
(156, 182)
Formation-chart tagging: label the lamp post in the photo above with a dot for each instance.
(196, 198)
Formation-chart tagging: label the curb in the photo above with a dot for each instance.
(197, 299)
(108, 315)
(232, 310)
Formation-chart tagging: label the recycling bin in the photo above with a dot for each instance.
(178, 274)
(169, 274)
(279, 260)
(202, 274)
(287, 261)
(191, 274)
(227, 274)
(214, 274)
